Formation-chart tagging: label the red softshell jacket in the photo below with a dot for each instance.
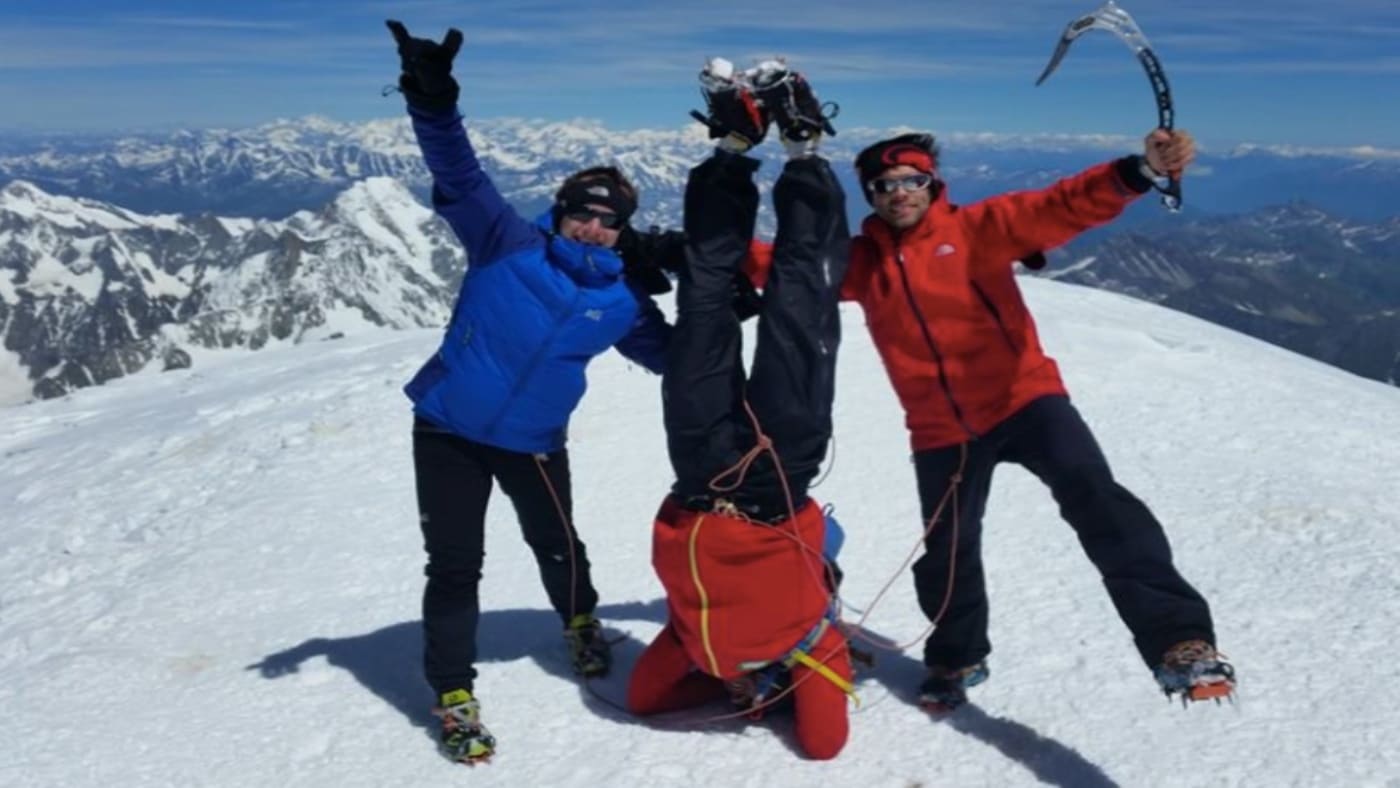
(944, 310)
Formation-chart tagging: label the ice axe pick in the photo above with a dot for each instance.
(1117, 21)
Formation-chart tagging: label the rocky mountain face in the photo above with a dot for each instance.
(1292, 275)
(90, 291)
(119, 253)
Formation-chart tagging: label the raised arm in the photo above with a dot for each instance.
(1019, 224)
(463, 194)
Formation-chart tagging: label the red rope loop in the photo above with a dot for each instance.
(950, 495)
(568, 534)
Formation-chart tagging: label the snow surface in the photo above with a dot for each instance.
(212, 577)
(15, 388)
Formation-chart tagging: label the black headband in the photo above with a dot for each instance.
(600, 191)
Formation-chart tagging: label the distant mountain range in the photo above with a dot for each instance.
(271, 171)
(1293, 275)
(120, 253)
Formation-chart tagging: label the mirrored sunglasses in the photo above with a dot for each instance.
(905, 183)
(610, 221)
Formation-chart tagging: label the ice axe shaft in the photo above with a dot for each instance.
(1117, 21)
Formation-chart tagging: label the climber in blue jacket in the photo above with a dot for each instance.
(539, 300)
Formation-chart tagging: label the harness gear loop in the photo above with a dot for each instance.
(765, 675)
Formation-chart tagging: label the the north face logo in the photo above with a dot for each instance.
(944, 250)
(594, 314)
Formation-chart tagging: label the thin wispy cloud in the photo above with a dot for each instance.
(1230, 63)
(208, 23)
(1376, 66)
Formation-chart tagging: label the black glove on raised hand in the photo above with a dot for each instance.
(647, 257)
(426, 81)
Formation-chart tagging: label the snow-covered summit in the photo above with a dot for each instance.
(220, 569)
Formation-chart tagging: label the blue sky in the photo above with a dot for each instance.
(1298, 72)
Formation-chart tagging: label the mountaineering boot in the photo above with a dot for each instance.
(589, 652)
(735, 117)
(945, 689)
(463, 738)
(743, 694)
(1196, 671)
(757, 691)
(788, 97)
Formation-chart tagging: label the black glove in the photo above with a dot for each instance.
(646, 258)
(747, 300)
(426, 81)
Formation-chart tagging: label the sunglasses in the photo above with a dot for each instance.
(906, 183)
(610, 221)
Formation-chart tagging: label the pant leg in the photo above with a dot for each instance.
(820, 706)
(799, 330)
(1117, 531)
(704, 378)
(664, 679)
(541, 490)
(960, 637)
(453, 486)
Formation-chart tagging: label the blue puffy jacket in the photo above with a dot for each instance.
(533, 310)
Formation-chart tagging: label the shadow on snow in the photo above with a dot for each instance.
(1051, 761)
(388, 662)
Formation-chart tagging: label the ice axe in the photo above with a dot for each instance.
(1115, 20)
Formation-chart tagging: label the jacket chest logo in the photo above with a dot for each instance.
(594, 314)
(944, 250)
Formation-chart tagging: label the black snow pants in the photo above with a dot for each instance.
(1117, 532)
(792, 383)
(454, 479)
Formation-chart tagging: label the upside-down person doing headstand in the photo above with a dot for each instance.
(738, 544)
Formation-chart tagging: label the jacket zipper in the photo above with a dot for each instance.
(932, 345)
(529, 370)
(1005, 332)
(692, 553)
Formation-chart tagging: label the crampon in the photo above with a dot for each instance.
(1195, 671)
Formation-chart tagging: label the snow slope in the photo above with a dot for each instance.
(212, 577)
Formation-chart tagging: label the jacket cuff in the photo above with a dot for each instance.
(1130, 172)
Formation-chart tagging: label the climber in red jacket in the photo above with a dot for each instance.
(945, 313)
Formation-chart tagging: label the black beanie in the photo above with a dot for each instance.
(594, 189)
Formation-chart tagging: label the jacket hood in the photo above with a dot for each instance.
(590, 265)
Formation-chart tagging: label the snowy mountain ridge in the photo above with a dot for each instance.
(277, 168)
(90, 291)
(1294, 275)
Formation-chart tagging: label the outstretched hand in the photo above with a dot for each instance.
(1169, 152)
(427, 80)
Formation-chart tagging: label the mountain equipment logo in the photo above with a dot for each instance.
(594, 314)
(944, 250)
